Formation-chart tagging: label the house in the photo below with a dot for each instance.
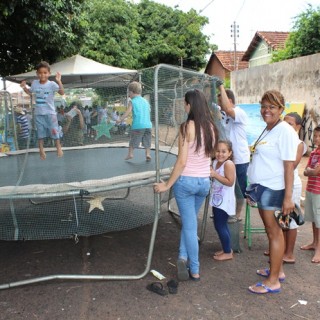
(221, 63)
(262, 45)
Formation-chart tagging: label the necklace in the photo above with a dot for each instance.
(253, 148)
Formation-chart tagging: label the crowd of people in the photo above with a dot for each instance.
(265, 173)
(209, 162)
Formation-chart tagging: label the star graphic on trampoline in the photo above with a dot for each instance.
(103, 129)
(96, 202)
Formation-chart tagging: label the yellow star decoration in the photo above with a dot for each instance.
(96, 202)
(103, 129)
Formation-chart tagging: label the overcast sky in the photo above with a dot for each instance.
(250, 15)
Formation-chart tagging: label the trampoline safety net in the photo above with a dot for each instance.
(91, 189)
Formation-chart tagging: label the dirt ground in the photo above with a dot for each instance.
(221, 294)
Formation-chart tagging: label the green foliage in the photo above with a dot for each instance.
(116, 32)
(168, 35)
(142, 35)
(305, 37)
(113, 37)
(38, 30)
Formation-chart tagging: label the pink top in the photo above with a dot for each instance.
(198, 164)
(313, 184)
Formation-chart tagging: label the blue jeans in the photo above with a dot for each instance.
(220, 221)
(241, 173)
(190, 193)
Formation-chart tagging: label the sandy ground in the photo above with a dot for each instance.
(221, 294)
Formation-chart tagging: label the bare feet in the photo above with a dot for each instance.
(218, 253)
(59, 152)
(128, 157)
(316, 257)
(308, 247)
(148, 158)
(43, 155)
(223, 256)
(288, 259)
(266, 253)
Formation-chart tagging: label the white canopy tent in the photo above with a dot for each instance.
(81, 72)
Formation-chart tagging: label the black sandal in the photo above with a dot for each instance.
(173, 286)
(157, 287)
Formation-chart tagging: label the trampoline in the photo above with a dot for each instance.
(82, 170)
(88, 191)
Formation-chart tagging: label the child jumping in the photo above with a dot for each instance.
(312, 201)
(141, 123)
(222, 199)
(45, 112)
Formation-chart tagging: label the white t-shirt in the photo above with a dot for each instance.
(277, 145)
(44, 93)
(236, 133)
(297, 180)
(222, 196)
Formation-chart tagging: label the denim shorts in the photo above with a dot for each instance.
(47, 126)
(266, 198)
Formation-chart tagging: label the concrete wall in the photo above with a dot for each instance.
(297, 79)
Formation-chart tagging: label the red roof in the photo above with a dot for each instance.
(226, 59)
(275, 39)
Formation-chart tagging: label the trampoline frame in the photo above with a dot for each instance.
(157, 204)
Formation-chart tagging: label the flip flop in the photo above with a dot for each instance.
(173, 286)
(268, 290)
(157, 287)
(148, 158)
(267, 273)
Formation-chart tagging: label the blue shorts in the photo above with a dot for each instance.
(47, 126)
(266, 198)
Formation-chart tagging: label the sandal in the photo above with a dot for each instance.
(157, 287)
(173, 286)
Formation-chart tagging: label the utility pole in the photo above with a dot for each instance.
(235, 35)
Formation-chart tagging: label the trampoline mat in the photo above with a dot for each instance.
(77, 165)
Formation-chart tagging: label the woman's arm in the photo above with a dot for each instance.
(288, 204)
(229, 172)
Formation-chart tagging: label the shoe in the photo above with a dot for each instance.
(157, 287)
(173, 286)
(193, 278)
(267, 273)
(183, 272)
(268, 290)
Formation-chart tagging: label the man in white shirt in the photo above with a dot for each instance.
(235, 120)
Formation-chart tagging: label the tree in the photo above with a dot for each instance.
(171, 36)
(112, 37)
(142, 35)
(38, 30)
(305, 37)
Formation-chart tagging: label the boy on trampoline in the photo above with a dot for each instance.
(141, 123)
(45, 112)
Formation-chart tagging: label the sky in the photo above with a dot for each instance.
(249, 15)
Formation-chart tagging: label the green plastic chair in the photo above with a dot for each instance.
(248, 229)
